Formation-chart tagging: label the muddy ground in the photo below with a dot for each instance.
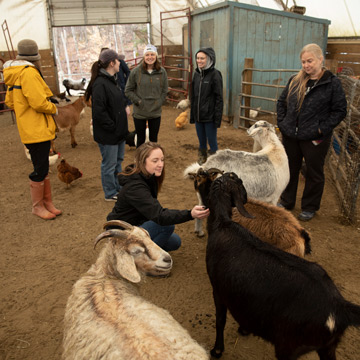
(40, 260)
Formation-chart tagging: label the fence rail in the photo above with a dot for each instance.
(248, 87)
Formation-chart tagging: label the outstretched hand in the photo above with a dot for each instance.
(200, 212)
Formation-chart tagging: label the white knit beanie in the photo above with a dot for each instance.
(150, 48)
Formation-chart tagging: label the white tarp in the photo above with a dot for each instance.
(29, 19)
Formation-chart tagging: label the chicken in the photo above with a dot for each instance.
(181, 120)
(131, 137)
(183, 104)
(254, 113)
(68, 173)
(62, 96)
(53, 157)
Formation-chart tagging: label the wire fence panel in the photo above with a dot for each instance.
(344, 156)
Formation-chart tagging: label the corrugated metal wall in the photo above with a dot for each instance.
(96, 12)
(272, 38)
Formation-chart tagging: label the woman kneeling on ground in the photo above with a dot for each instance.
(137, 201)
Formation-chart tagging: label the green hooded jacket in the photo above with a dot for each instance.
(147, 92)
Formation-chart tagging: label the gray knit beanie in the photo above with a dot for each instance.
(108, 55)
(28, 50)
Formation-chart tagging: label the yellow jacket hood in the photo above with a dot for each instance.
(28, 95)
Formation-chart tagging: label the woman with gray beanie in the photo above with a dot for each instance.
(110, 125)
(28, 95)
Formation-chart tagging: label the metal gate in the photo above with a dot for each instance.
(178, 63)
(275, 81)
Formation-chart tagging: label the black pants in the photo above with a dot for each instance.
(39, 153)
(140, 127)
(314, 156)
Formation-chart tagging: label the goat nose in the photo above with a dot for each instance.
(168, 259)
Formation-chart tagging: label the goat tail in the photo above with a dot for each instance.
(353, 313)
(305, 235)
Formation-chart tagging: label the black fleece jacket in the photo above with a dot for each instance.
(108, 110)
(207, 93)
(137, 202)
(324, 107)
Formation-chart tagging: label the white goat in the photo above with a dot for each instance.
(74, 84)
(265, 173)
(105, 316)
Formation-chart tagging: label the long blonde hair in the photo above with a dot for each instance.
(298, 82)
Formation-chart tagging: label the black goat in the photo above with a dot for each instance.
(74, 84)
(284, 299)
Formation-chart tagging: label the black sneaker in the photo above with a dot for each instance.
(306, 215)
(113, 198)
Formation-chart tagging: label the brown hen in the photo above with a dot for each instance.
(68, 173)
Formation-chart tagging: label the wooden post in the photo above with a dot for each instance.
(249, 63)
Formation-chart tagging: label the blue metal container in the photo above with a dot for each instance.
(272, 38)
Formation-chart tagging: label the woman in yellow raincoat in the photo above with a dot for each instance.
(28, 95)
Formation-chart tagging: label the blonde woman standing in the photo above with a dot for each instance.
(310, 107)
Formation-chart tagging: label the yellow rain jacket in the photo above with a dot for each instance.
(28, 95)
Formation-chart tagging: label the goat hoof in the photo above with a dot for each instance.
(216, 353)
(200, 234)
(74, 145)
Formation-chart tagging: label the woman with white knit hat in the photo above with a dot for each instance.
(28, 95)
(147, 88)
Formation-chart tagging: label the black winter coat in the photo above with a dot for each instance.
(324, 107)
(207, 93)
(122, 77)
(110, 123)
(137, 202)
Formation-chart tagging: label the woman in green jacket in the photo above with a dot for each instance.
(147, 88)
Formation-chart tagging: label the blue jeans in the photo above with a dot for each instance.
(207, 132)
(112, 157)
(163, 236)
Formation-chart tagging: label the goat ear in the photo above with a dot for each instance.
(240, 198)
(214, 173)
(254, 131)
(127, 268)
(241, 208)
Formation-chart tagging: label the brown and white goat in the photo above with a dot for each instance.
(69, 116)
(271, 224)
(105, 316)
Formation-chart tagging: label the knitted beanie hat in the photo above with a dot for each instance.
(150, 48)
(108, 55)
(28, 50)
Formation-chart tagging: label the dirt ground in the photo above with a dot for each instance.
(40, 260)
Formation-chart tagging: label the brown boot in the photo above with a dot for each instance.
(47, 198)
(202, 156)
(37, 195)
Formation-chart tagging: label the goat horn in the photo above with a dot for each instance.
(110, 233)
(118, 223)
